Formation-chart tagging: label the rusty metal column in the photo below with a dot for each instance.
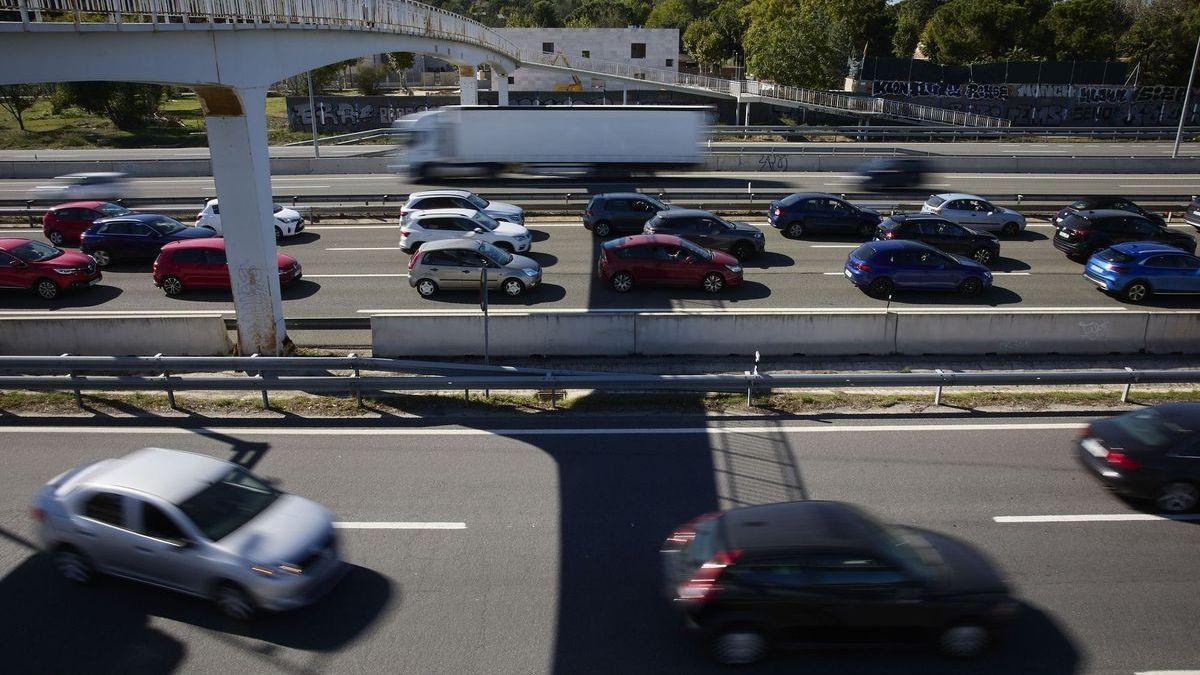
(468, 86)
(237, 140)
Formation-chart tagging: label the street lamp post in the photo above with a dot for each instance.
(1187, 100)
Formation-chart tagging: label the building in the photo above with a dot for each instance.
(656, 48)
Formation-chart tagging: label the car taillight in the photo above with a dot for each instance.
(704, 584)
(687, 531)
(38, 514)
(779, 212)
(413, 260)
(1078, 232)
(1119, 269)
(404, 232)
(588, 213)
(1121, 460)
(889, 235)
(861, 266)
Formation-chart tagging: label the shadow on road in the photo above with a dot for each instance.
(84, 297)
(306, 237)
(992, 297)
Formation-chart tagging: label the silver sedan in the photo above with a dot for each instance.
(975, 212)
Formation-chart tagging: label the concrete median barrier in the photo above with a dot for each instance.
(510, 334)
(723, 333)
(1063, 332)
(203, 335)
(1173, 333)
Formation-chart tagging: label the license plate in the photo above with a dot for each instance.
(847, 273)
(1094, 448)
(1063, 234)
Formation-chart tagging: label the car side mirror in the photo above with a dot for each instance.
(689, 260)
(478, 230)
(20, 264)
(181, 544)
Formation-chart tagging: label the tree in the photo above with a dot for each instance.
(911, 17)
(17, 98)
(367, 78)
(671, 14)
(129, 106)
(716, 38)
(971, 31)
(543, 14)
(609, 14)
(1161, 39)
(1086, 29)
(399, 61)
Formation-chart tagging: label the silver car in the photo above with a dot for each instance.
(459, 264)
(460, 199)
(975, 212)
(191, 523)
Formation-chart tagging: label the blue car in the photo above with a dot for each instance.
(1139, 269)
(880, 267)
(135, 236)
(805, 212)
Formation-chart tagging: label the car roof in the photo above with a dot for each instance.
(450, 192)
(441, 244)
(10, 242)
(95, 174)
(86, 204)
(441, 213)
(905, 217)
(1146, 247)
(171, 475)
(799, 524)
(948, 196)
(898, 244)
(683, 213)
(139, 217)
(812, 195)
(645, 239)
(215, 243)
(621, 195)
(1091, 214)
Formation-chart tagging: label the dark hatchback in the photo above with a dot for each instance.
(1151, 454)
(804, 212)
(1104, 202)
(137, 236)
(826, 573)
(982, 247)
(620, 213)
(1082, 234)
(743, 240)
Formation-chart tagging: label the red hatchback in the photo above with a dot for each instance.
(47, 270)
(63, 224)
(200, 263)
(666, 260)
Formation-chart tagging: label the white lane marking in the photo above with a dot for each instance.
(350, 276)
(399, 525)
(833, 274)
(1142, 185)
(72, 313)
(1167, 672)
(364, 248)
(1092, 518)
(352, 227)
(1011, 274)
(603, 431)
(942, 309)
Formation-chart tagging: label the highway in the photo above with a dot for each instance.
(553, 566)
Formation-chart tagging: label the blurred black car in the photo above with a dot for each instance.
(816, 572)
(893, 173)
(1099, 202)
(1084, 233)
(983, 247)
(803, 212)
(743, 240)
(1151, 454)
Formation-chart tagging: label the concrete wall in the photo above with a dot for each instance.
(115, 336)
(872, 332)
(601, 44)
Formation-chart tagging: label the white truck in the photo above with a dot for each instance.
(487, 140)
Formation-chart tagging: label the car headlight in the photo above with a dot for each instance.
(69, 270)
(530, 271)
(734, 268)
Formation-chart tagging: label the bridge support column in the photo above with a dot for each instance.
(501, 82)
(468, 86)
(237, 140)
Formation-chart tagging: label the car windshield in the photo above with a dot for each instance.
(1114, 256)
(165, 225)
(276, 208)
(485, 221)
(478, 202)
(1079, 204)
(698, 251)
(113, 209)
(1152, 428)
(494, 254)
(35, 251)
(228, 503)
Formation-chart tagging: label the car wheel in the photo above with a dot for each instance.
(234, 602)
(1177, 497)
(102, 257)
(172, 286)
(963, 641)
(513, 287)
(46, 289)
(970, 286)
(602, 229)
(880, 287)
(73, 565)
(427, 288)
(621, 282)
(278, 234)
(739, 646)
(794, 229)
(713, 282)
(506, 247)
(743, 250)
(983, 256)
(1010, 229)
(1136, 291)
(56, 237)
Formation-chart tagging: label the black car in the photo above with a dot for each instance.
(1097, 203)
(890, 173)
(983, 247)
(743, 240)
(1153, 454)
(1191, 216)
(817, 572)
(803, 212)
(620, 213)
(1082, 234)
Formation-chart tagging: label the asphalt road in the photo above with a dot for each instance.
(555, 570)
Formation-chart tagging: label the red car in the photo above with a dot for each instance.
(666, 260)
(200, 263)
(63, 224)
(47, 270)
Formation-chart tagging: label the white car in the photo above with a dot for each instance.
(288, 222)
(975, 212)
(437, 224)
(103, 186)
(461, 199)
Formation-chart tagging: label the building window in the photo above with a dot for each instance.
(670, 62)
(637, 50)
(587, 54)
(547, 47)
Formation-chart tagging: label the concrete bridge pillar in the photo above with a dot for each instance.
(237, 140)
(468, 86)
(501, 82)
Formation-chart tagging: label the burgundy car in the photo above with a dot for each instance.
(45, 269)
(666, 260)
(63, 224)
(200, 263)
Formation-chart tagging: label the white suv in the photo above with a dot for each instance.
(425, 226)
(288, 222)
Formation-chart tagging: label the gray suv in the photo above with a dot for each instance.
(743, 240)
(191, 523)
(620, 213)
(458, 264)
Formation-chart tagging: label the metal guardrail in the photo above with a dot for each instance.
(946, 133)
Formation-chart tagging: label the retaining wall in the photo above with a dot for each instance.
(115, 336)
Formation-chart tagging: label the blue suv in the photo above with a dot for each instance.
(880, 267)
(1139, 269)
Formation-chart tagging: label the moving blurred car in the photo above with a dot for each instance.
(1138, 270)
(105, 186)
(201, 263)
(1191, 215)
(288, 222)
(46, 270)
(892, 173)
(805, 212)
(827, 573)
(880, 267)
(1104, 202)
(460, 199)
(975, 212)
(743, 240)
(620, 212)
(64, 224)
(439, 224)
(665, 260)
(190, 523)
(982, 247)
(1151, 454)
(1082, 234)
(458, 264)
(137, 236)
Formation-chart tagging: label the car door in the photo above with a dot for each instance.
(1184, 461)
(1188, 273)
(621, 216)
(711, 233)
(640, 211)
(99, 527)
(435, 229)
(443, 266)
(215, 270)
(956, 210)
(774, 588)
(141, 240)
(12, 272)
(980, 215)
(953, 238)
(642, 262)
(906, 271)
(72, 222)
(868, 598)
(928, 231)
(471, 265)
(840, 216)
(188, 265)
(163, 553)
(668, 265)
